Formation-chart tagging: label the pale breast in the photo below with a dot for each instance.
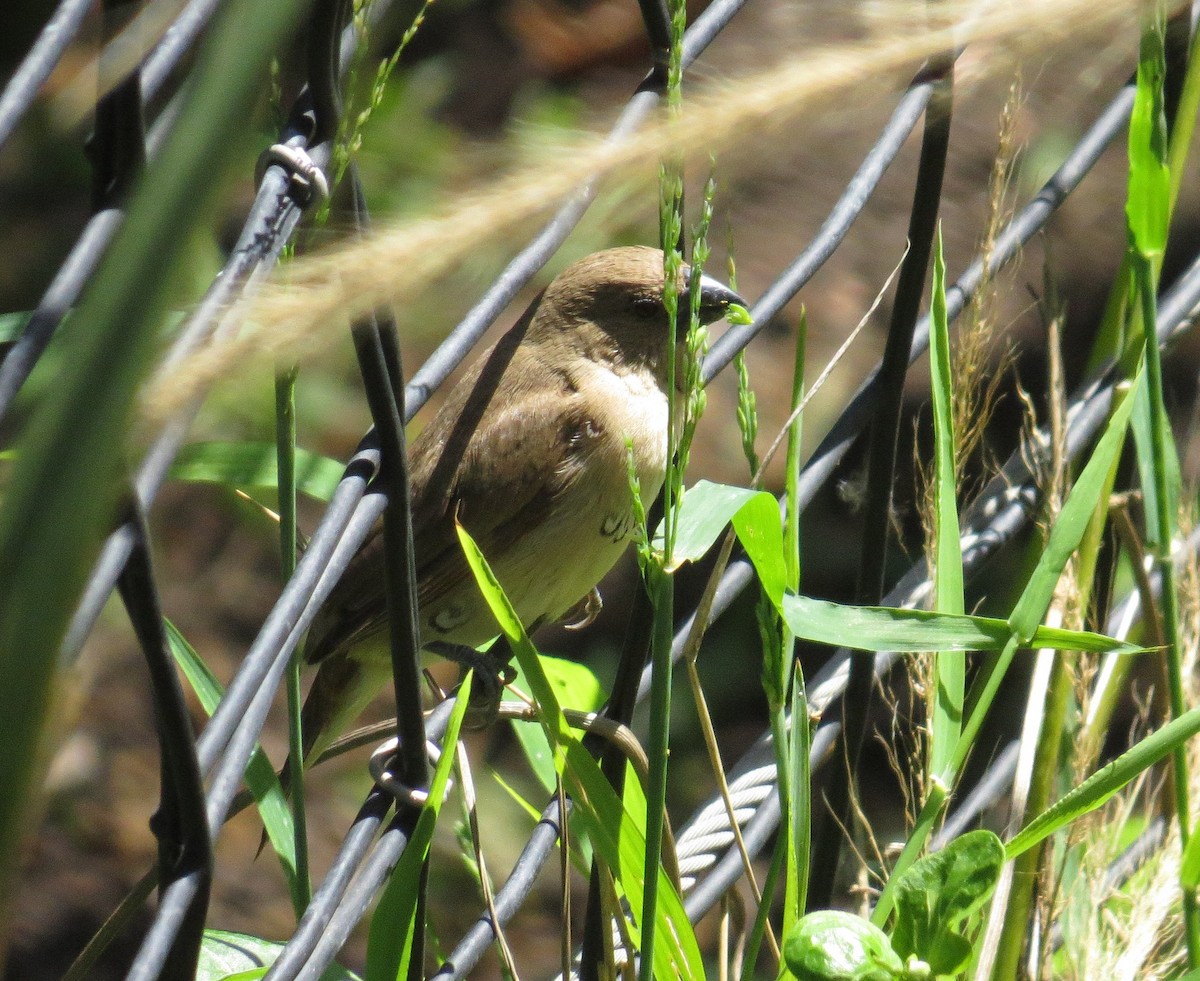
(584, 537)
(591, 525)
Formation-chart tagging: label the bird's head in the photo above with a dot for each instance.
(610, 305)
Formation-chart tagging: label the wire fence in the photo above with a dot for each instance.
(202, 777)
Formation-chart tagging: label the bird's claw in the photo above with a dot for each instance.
(493, 671)
(584, 613)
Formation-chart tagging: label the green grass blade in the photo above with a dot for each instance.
(1068, 530)
(950, 667)
(1070, 526)
(1147, 205)
(576, 687)
(285, 457)
(394, 924)
(1104, 783)
(616, 827)
(1148, 212)
(260, 775)
(60, 500)
(792, 748)
(877, 628)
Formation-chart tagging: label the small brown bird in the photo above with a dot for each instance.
(529, 451)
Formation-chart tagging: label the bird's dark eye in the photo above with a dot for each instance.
(646, 308)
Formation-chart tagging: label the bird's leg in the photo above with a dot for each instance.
(493, 671)
(584, 613)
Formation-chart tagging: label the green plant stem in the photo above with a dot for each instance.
(1145, 271)
(791, 754)
(935, 800)
(800, 782)
(1027, 868)
(285, 448)
(778, 858)
(657, 749)
(658, 582)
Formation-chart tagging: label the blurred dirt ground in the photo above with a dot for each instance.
(490, 80)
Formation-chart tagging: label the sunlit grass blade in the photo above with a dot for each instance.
(61, 497)
(877, 628)
(792, 748)
(285, 467)
(395, 921)
(578, 688)
(1148, 211)
(1068, 530)
(616, 828)
(1104, 783)
(950, 667)
(260, 775)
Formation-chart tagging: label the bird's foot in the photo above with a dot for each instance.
(584, 613)
(492, 672)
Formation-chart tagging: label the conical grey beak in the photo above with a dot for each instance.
(715, 298)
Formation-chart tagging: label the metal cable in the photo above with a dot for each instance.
(354, 878)
(351, 514)
(22, 88)
(703, 840)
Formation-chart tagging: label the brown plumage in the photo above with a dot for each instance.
(529, 450)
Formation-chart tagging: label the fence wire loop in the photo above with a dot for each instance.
(307, 183)
(380, 766)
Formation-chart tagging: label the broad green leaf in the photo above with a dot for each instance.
(1105, 782)
(252, 465)
(874, 628)
(706, 511)
(578, 688)
(394, 925)
(228, 956)
(708, 508)
(260, 775)
(941, 890)
(759, 528)
(617, 831)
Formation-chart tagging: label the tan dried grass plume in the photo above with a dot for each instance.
(294, 315)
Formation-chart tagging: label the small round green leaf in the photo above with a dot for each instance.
(830, 945)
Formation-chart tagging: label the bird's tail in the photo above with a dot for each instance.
(343, 687)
